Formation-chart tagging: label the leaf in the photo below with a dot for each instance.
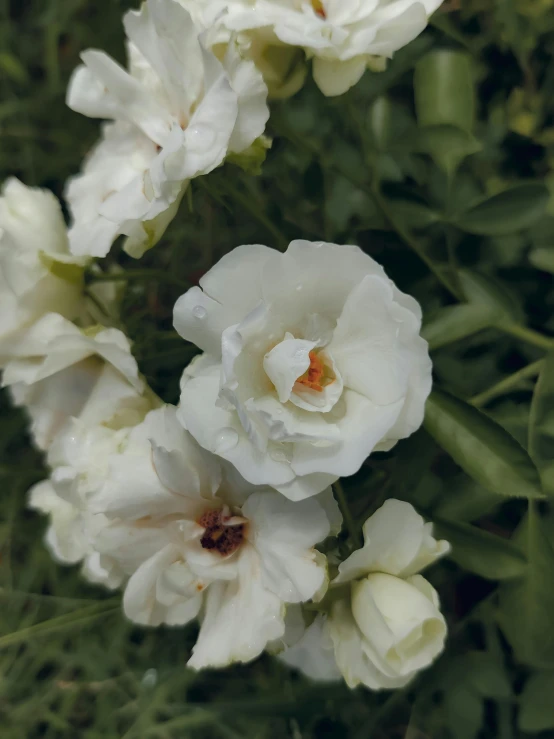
(481, 447)
(464, 500)
(542, 259)
(526, 606)
(477, 551)
(487, 292)
(444, 89)
(447, 145)
(512, 210)
(541, 425)
(464, 711)
(414, 214)
(536, 711)
(455, 322)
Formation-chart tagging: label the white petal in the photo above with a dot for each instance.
(231, 289)
(335, 77)
(397, 541)
(284, 533)
(241, 617)
(286, 362)
(313, 653)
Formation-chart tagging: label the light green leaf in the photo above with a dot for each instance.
(447, 145)
(526, 605)
(478, 551)
(455, 322)
(414, 214)
(512, 210)
(536, 711)
(541, 425)
(444, 89)
(482, 448)
(542, 259)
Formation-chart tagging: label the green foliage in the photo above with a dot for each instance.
(442, 169)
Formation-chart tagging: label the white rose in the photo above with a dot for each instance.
(178, 113)
(210, 544)
(37, 272)
(313, 360)
(386, 625)
(343, 37)
(59, 372)
(391, 629)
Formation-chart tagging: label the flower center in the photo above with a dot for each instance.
(318, 375)
(317, 5)
(223, 532)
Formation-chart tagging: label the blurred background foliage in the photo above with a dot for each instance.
(442, 169)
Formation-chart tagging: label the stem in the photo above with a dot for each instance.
(528, 335)
(347, 514)
(156, 275)
(61, 622)
(257, 212)
(411, 242)
(508, 383)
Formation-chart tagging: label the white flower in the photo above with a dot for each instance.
(210, 544)
(343, 37)
(58, 371)
(178, 113)
(313, 360)
(37, 272)
(388, 625)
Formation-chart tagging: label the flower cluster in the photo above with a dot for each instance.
(312, 360)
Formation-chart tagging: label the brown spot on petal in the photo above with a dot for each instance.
(319, 9)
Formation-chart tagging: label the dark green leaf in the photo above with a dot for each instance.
(443, 86)
(478, 551)
(464, 712)
(458, 321)
(541, 425)
(526, 605)
(490, 294)
(481, 447)
(512, 210)
(536, 711)
(543, 259)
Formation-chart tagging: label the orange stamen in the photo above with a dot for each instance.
(317, 5)
(314, 374)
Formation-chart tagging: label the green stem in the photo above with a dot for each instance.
(409, 240)
(61, 623)
(156, 275)
(508, 383)
(257, 212)
(347, 515)
(528, 335)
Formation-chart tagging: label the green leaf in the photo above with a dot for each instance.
(251, 160)
(464, 712)
(478, 551)
(487, 675)
(444, 89)
(526, 606)
(481, 447)
(541, 425)
(489, 293)
(464, 500)
(455, 322)
(536, 711)
(542, 259)
(447, 145)
(414, 214)
(379, 119)
(512, 210)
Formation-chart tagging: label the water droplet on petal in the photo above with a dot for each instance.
(299, 287)
(199, 312)
(203, 138)
(278, 455)
(226, 440)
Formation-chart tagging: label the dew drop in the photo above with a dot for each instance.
(278, 455)
(226, 440)
(199, 312)
(203, 137)
(300, 287)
